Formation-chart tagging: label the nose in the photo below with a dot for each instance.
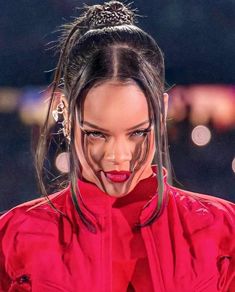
(118, 151)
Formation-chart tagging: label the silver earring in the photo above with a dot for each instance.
(58, 115)
(58, 111)
(66, 131)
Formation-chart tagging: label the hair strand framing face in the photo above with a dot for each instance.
(90, 57)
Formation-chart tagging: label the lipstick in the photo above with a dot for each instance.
(118, 176)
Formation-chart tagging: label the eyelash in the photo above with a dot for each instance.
(89, 133)
(143, 132)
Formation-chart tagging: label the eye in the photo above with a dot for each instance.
(140, 133)
(94, 134)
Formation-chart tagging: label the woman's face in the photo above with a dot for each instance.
(115, 135)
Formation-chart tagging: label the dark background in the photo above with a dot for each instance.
(197, 38)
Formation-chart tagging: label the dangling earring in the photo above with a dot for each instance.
(58, 115)
(58, 111)
(66, 132)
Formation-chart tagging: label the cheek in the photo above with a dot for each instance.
(152, 148)
(94, 150)
(143, 153)
(137, 154)
(152, 143)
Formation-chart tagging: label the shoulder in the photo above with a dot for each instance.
(32, 217)
(27, 208)
(25, 229)
(201, 213)
(192, 201)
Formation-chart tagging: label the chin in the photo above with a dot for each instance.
(117, 194)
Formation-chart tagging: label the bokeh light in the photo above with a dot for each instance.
(233, 165)
(62, 162)
(201, 135)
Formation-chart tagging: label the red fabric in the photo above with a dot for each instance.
(191, 247)
(130, 267)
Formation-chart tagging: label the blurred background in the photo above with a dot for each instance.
(197, 38)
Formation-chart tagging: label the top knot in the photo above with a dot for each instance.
(111, 13)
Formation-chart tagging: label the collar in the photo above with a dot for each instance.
(99, 202)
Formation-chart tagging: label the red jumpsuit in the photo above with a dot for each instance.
(190, 248)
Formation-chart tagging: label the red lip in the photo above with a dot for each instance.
(118, 176)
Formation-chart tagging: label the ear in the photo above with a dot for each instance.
(165, 99)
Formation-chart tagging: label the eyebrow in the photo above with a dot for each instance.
(104, 130)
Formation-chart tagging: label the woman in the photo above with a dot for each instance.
(118, 225)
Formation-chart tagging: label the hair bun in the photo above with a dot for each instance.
(112, 13)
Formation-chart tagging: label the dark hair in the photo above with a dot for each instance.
(102, 44)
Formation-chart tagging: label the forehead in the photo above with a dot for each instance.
(115, 104)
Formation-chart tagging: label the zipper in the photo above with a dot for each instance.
(106, 254)
(153, 259)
